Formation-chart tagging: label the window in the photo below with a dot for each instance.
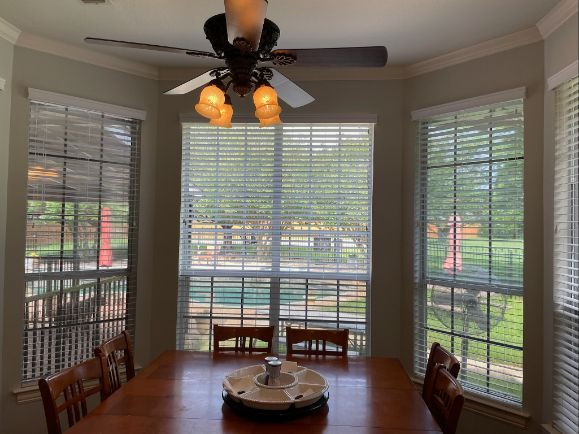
(275, 229)
(81, 232)
(469, 244)
(566, 261)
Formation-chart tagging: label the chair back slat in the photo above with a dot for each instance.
(438, 355)
(245, 339)
(315, 341)
(70, 384)
(447, 399)
(114, 353)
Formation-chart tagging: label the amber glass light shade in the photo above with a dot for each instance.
(270, 122)
(210, 102)
(265, 100)
(226, 114)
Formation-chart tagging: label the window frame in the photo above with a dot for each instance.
(421, 280)
(565, 251)
(37, 360)
(276, 282)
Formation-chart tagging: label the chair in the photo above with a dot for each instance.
(447, 399)
(338, 337)
(113, 353)
(245, 339)
(441, 356)
(71, 384)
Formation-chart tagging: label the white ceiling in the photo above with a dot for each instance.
(412, 30)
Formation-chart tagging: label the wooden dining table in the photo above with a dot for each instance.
(180, 392)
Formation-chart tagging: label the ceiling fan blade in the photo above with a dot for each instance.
(290, 92)
(152, 47)
(338, 57)
(191, 85)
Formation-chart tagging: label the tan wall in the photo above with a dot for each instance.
(519, 67)
(561, 49)
(382, 98)
(47, 72)
(391, 297)
(6, 55)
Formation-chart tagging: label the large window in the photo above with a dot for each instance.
(566, 261)
(80, 233)
(275, 229)
(469, 244)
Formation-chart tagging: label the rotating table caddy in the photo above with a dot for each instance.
(275, 388)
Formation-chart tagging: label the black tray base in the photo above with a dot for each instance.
(275, 415)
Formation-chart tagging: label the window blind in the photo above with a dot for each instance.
(275, 229)
(81, 234)
(566, 261)
(469, 245)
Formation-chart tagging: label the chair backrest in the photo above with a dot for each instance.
(114, 353)
(70, 384)
(315, 341)
(245, 339)
(447, 399)
(438, 355)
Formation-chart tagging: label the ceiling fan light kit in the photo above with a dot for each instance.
(211, 101)
(265, 100)
(276, 120)
(244, 39)
(226, 110)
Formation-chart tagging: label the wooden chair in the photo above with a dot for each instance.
(338, 337)
(447, 399)
(114, 353)
(70, 384)
(245, 339)
(441, 356)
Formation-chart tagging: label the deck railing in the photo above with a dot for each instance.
(63, 324)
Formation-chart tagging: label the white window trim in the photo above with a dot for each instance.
(469, 103)
(87, 104)
(341, 118)
(566, 74)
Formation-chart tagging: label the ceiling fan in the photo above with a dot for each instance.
(245, 39)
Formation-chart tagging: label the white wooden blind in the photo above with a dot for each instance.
(275, 228)
(81, 233)
(566, 261)
(469, 245)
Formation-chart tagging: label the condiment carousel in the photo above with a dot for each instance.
(275, 390)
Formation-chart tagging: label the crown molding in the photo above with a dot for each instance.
(8, 31)
(69, 51)
(483, 49)
(547, 25)
(555, 18)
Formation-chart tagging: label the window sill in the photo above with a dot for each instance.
(31, 393)
(549, 429)
(493, 409)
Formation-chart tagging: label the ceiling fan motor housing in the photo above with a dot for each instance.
(240, 60)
